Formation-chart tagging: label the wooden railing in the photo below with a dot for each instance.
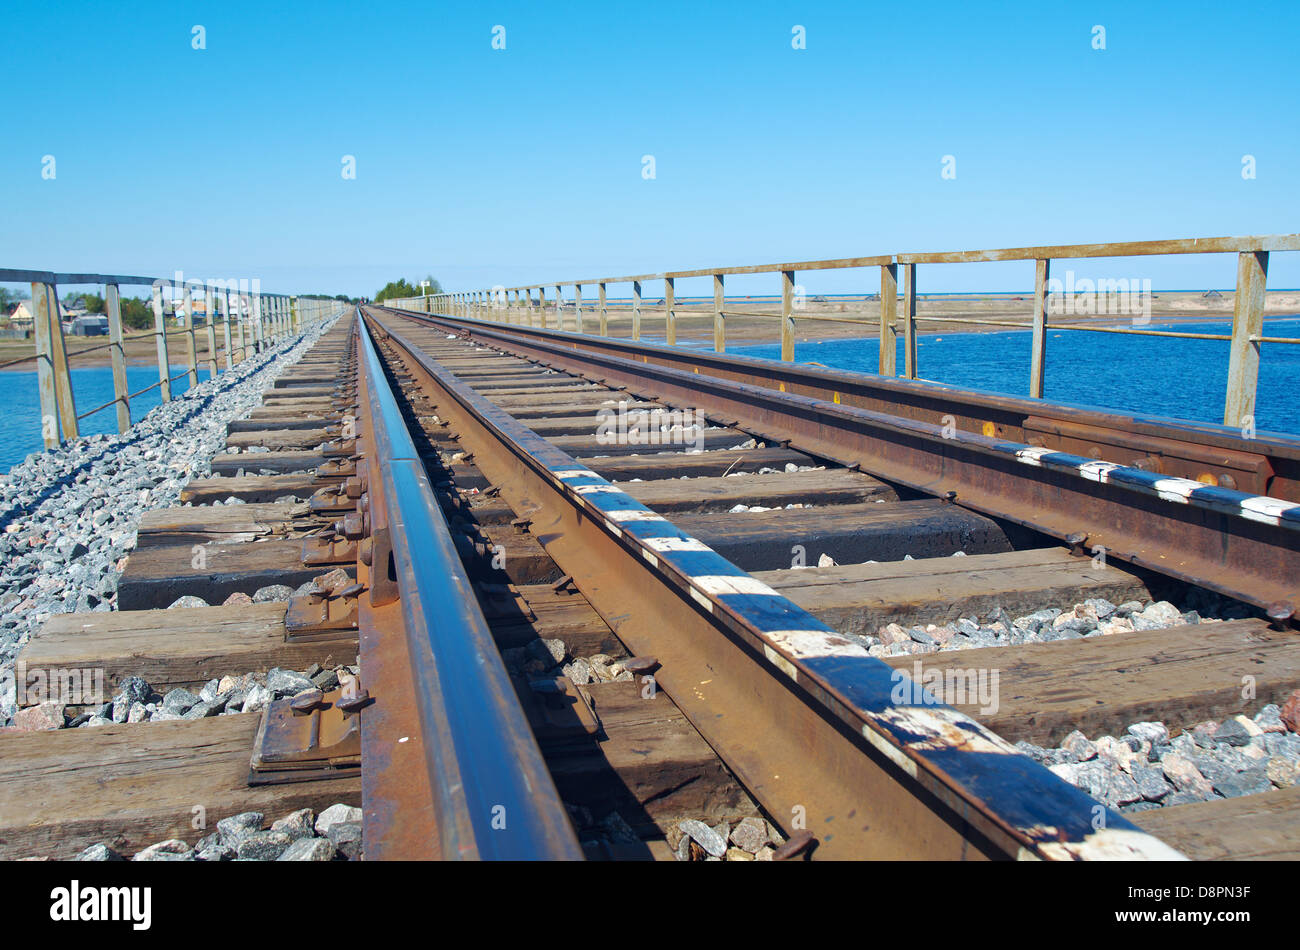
(266, 318)
(517, 305)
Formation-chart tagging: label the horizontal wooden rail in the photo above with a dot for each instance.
(527, 303)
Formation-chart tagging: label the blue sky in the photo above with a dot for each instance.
(486, 166)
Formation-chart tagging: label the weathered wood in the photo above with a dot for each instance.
(715, 463)
(566, 617)
(278, 440)
(1038, 345)
(121, 389)
(263, 462)
(707, 439)
(862, 598)
(224, 524)
(250, 488)
(263, 419)
(525, 413)
(45, 366)
(182, 647)
(1099, 685)
(888, 317)
(156, 576)
(850, 534)
(652, 767)
(836, 486)
(129, 786)
(1262, 827)
(1247, 322)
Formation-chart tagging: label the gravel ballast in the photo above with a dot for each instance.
(68, 517)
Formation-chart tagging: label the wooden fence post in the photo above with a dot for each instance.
(191, 347)
(225, 326)
(1243, 355)
(577, 308)
(636, 309)
(1038, 355)
(909, 321)
(787, 315)
(719, 318)
(62, 374)
(670, 311)
(45, 365)
(604, 312)
(160, 330)
(888, 319)
(117, 355)
(209, 315)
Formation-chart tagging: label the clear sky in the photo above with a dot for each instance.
(499, 166)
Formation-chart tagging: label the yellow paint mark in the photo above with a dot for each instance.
(1205, 478)
(696, 368)
(990, 429)
(782, 385)
(837, 399)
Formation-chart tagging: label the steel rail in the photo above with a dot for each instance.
(1265, 464)
(494, 798)
(1245, 546)
(823, 735)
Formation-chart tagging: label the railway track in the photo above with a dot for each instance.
(580, 596)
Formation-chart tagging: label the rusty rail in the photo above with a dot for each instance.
(493, 796)
(497, 303)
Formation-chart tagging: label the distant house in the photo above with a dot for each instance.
(24, 315)
(90, 324)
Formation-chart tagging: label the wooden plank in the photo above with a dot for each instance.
(223, 524)
(260, 462)
(259, 421)
(1267, 242)
(156, 576)
(862, 598)
(770, 540)
(130, 786)
(182, 647)
(1099, 685)
(1038, 347)
(1247, 322)
(825, 487)
(250, 488)
(713, 463)
(652, 766)
(297, 392)
(278, 440)
(1264, 827)
(524, 412)
(708, 439)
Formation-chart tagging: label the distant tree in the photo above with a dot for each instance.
(396, 288)
(93, 303)
(9, 298)
(137, 314)
(405, 288)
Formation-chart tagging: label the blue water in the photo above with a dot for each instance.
(20, 426)
(1166, 376)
